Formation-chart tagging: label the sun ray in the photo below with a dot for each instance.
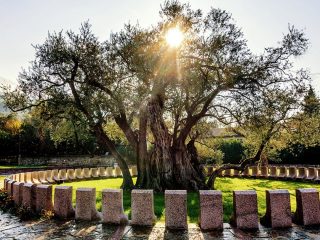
(174, 37)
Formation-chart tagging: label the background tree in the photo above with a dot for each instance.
(302, 139)
(311, 103)
(136, 77)
(262, 120)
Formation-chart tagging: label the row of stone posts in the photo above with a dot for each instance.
(245, 206)
(273, 172)
(69, 175)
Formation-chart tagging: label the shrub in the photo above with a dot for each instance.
(233, 150)
(25, 213)
(6, 201)
(46, 214)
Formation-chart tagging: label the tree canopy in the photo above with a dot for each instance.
(157, 94)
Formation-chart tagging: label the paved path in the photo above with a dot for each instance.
(12, 228)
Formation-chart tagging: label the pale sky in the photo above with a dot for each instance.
(23, 23)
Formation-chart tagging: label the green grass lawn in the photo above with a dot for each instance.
(226, 185)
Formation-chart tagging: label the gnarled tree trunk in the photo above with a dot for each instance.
(170, 164)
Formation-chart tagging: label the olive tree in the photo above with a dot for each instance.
(155, 92)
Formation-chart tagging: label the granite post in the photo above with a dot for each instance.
(112, 207)
(17, 193)
(245, 209)
(278, 213)
(142, 208)
(176, 209)
(29, 195)
(308, 207)
(211, 210)
(10, 187)
(86, 204)
(63, 202)
(44, 198)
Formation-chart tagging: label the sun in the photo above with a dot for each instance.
(174, 37)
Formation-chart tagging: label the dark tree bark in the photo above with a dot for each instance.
(170, 163)
(104, 140)
(245, 163)
(143, 178)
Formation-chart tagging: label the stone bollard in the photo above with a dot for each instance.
(86, 173)
(35, 177)
(109, 172)
(264, 172)
(134, 171)
(317, 179)
(22, 177)
(62, 175)
(86, 204)
(112, 207)
(312, 174)
(272, 172)
(4, 184)
(142, 208)
(17, 193)
(255, 171)
(48, 176)
(246, 172)
(71, 175)
(79, 173)
(250, 171)
(95, 172)
(28, 177)
(42, 177)
(308, 207)
(211, 210)
(292, 173)
(10, 187)
(227, 173)
(55, 175)
(102, 172)
(63, 202)
(245, 209)
(29, 195)
(176, 209)
(44, 198)
(7, 184)
(282, 172)
(236, 173)
(117, 172)
(301, 173)
(278, 213)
